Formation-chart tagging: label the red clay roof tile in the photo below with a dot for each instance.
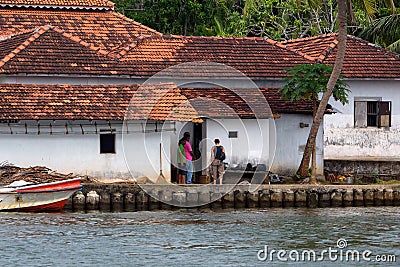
(49, 50)
(110, 102)
(106, 29)
(56, 51)
(162, 101)
(58, 3)
(255, 57)
(362, 59)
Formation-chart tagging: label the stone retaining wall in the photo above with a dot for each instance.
(118, 198)
(367, 169)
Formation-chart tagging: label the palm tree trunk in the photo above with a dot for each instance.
(337, 68)
(313, 179)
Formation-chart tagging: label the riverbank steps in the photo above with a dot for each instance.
(132, 197)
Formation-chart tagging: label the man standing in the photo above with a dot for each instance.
(189, 158)
(217, 161)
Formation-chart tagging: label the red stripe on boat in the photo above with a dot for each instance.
(55, 206)
(51, 187)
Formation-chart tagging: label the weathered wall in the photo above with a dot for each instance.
(291, 140)
(343, 141)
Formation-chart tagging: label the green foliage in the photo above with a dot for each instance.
(276, 19)
(385, 32)
(289, 19)
(379, 181)
(186, 17)
(307, 81)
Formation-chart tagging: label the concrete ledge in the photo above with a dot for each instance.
(130, 197)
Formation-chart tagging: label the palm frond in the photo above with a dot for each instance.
(390, 4)
(370, 7)
(251, 5)
(385, 30)
(219, 29)
(395, 47)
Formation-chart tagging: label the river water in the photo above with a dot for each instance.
(200, 237)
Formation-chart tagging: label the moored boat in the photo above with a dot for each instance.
(44, 197)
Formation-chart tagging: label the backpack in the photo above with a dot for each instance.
(219, 154)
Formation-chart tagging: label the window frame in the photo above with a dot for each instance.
(383, 109)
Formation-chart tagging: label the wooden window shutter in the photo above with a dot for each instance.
(360, 114)
(384, 114)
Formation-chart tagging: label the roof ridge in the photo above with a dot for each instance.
(78, 40)
(108, 5)
(36, 34)
(326, 52)
(15, 34)
(317, 60)
(121, 53)
(174, 36)
(310, 37)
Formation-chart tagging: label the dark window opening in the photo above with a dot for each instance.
(233, 134)
(107, 143)
(372, 114)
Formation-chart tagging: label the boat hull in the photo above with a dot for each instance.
(39, 198)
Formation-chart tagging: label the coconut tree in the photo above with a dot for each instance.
(337, 68)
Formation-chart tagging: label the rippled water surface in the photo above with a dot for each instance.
(193, 238)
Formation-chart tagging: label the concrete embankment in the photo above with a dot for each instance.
(125, 197)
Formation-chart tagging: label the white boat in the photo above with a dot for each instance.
(23, 196)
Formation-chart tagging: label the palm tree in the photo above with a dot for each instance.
(337, 68)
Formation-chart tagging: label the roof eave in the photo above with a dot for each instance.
(59, 7)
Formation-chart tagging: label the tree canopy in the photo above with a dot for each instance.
(306, 81)
(276, 19)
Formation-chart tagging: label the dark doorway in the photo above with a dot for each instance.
(197, 137)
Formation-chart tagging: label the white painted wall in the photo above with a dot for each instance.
(80, 153)
(343, 141)
(251, 146)
(291, 140)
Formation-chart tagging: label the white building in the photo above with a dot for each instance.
(76, 69)
(363, 136)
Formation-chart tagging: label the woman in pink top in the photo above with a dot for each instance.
(189, 157)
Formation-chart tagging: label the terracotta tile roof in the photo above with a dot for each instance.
(148, 103)
(63, 101)
(110, 102)
(56, 51)
(58, 3)
(106, 29)
(50, 50)
(316, 48)
(102, 102)
(234, 104)
(362, 59)
(255, 57)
